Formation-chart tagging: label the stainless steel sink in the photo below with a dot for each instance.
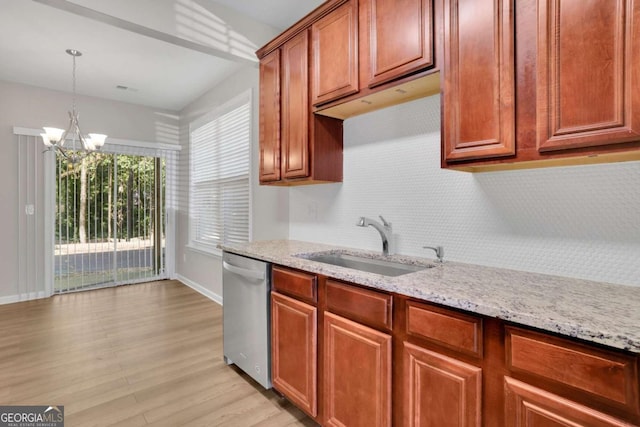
(371, 265)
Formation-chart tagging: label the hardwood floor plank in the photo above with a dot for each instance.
(23, 391)
(146, 354)
(139, 372)
(165, 409)
(89, 397)
(104, 414)
(251, 408)
(136, 421)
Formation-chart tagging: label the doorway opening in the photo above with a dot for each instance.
(110, 221)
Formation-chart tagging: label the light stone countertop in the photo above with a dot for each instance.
(598, 312)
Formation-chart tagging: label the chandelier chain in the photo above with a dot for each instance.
(73, 105)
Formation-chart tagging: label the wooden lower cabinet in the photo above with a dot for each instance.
(607, 376)
(294, 344)
(529, 406)
(357, 374)
(355, 357)
(439, 390)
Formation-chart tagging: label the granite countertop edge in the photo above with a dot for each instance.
(602, 313)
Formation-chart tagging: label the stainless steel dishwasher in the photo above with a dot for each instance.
(246, 315)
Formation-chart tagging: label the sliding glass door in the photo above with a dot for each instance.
(110, 221)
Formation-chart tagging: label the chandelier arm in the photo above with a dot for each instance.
(63, 152)
(67, 132)
(81, 137)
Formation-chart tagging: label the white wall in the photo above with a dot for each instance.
(579, 221)
(205, 22)
(31, 107)
(270, 205)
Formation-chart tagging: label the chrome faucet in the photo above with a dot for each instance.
(384, 229)
(439, 252)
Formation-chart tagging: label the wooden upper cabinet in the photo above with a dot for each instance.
(295, 107)
(400, 38)
(311, 145)
(270, 117)
(588, 73)
(478, 89)
(334, 53)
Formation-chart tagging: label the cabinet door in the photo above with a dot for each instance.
(588, 73)
(400, 38)
(357, 374)
(294, 351)
(478, 89)
(528, 406)
(270, 117)
(334, 50)
(440, 391)
(295, 107)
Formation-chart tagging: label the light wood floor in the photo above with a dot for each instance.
(148, 354)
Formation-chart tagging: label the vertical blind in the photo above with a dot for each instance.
(220, 179)
(39, 252)
(30, 239)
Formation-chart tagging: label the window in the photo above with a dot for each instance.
(220, 175)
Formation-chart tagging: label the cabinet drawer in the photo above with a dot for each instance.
(295, 283)
(362, 305)
(609, 375)
(454, 330)
(527, 405)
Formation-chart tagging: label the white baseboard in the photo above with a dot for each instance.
(10, 299)
(201, 289)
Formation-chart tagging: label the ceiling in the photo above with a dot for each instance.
(164, 53)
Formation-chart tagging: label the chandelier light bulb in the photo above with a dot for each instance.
(97, 139)
(45, 139)
(89, 145)
(54, 134)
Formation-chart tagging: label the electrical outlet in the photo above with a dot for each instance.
(29, 209)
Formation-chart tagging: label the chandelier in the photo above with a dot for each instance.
(54, 138)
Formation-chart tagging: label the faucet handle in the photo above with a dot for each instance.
(384, 221)
(439, 252)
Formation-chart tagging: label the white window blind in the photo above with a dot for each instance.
(220, 179)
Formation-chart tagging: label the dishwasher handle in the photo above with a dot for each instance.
(250, 274)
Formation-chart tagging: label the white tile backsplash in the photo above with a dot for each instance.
(581, 221)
